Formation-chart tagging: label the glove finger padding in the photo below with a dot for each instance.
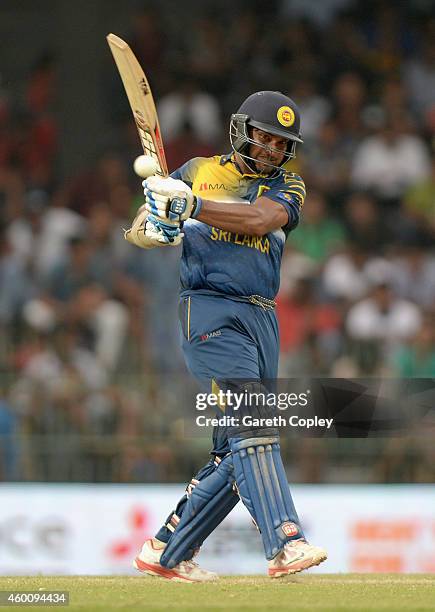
(169, 210)
(168, 198)
(148, 233)
(164, 186)
(158, 205)
(164, 231)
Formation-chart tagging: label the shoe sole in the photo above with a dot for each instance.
(299, 567)
(163, 572)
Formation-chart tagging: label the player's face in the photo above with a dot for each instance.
(270, 149)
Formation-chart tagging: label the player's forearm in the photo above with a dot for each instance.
(240, 218)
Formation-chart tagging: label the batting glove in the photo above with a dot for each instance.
(148, 231)
(170, 199)
(167, 233)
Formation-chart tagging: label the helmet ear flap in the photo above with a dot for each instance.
(239, 132)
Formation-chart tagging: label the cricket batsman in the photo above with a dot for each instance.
(232, 214)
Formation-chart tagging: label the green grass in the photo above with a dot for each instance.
(335, 592)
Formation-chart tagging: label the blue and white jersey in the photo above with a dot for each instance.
(227, 262)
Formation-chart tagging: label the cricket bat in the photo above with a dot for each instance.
(141, 101)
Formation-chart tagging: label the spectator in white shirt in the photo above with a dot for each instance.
(383, 317)
(391, 160)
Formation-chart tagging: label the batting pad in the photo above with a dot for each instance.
(209, 503)
(263, 488)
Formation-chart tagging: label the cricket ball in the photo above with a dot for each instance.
(145, 166)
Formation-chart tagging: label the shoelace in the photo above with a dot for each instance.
(292, 546)
(296, 543)
(190, 565)
(195, 554)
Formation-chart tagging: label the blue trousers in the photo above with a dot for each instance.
(222, 339)
(226, 339)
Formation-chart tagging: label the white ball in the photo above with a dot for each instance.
(145, 166)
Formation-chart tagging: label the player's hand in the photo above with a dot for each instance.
(148, 231)
(169, 199)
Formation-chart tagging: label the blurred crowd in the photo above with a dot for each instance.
(89, 341)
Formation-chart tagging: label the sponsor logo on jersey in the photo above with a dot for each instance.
(261, 243)
(285, 116)
(290, 529)
(213, 186)
(212, 334)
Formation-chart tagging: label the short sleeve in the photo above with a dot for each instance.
(290, 193)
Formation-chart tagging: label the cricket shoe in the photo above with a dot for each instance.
(148, 561)
(297, 555)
